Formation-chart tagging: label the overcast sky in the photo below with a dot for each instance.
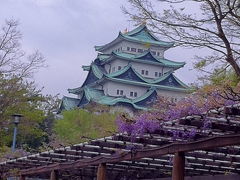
(66, 31)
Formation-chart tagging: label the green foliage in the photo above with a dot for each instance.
(19, 96)
(81, 125)
(228, 78)
(3, 150)
(200, 64)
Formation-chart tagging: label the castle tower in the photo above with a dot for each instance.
(129, 71)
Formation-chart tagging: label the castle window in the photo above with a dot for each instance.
(119, 67)
(128, 48)
(133, 49)
(159, 74)
(117, 92)
(144, 72)
(140, 50)
(158, 54)
(156, 74)
(153, 52)
(121, 92)
(131, 94)
(135, 94)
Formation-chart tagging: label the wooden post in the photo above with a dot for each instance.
(178, 166)
(3, 177)
(101, 173)
(22, 177)
(54, 175)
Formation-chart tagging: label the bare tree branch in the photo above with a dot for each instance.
(13, 60)
(217, 27)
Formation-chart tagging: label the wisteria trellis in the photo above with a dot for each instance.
(150, 122)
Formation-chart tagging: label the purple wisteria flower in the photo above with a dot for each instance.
(197, 104)
(207, 124)
(124, 126)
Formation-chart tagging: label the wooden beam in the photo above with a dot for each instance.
(54, 175)
(214, 125)
(204, 144)
(101, 173)
(231, 111)
(178, 166)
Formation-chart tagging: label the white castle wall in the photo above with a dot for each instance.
(126, 44)
(114, 64)
(122, 47)
(110, 88)
(107, 67)
(150, 68)
(173, 96)
(138, 67)
(113, 48)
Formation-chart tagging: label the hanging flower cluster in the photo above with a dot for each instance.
(142, 124)
(150, 122)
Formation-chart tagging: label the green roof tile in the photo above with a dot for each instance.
(142, 32)
(75, 90)
(139, 35)
(68, 103)
(99, 97)
(103, 56)
(146, 95)
(97, 71)
(145, 40)
(136, 30)
(149, 85)
(86, 68)
(146, 82)
(135, 58)
(164, 61)
(123, 70)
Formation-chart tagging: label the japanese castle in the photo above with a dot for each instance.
(129, 72)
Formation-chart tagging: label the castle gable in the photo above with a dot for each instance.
(147, 57)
